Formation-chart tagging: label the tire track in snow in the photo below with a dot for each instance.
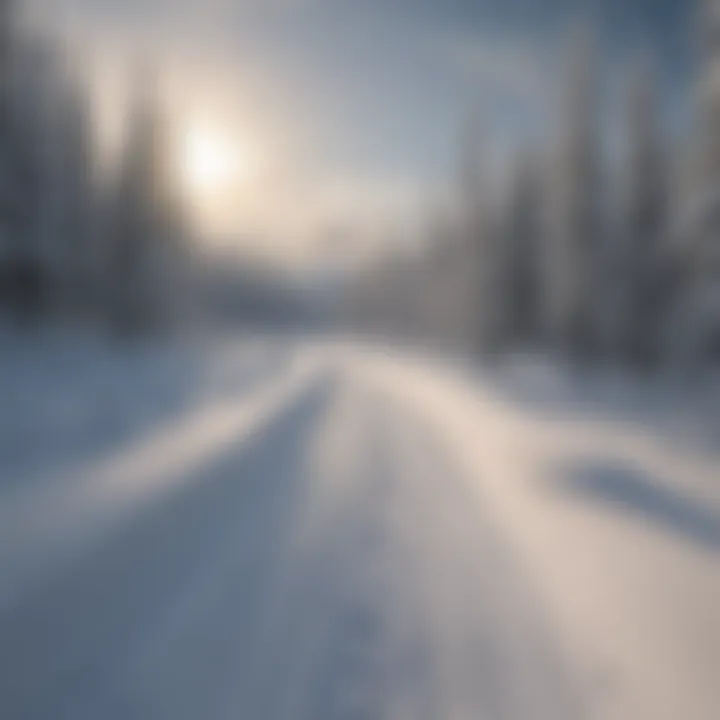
(321, 649)
(493, 653)
(96, 637)
(50, 524)
(332, 567)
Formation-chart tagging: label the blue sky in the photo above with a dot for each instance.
(366, 97)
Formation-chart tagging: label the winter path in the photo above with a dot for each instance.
(322, 532)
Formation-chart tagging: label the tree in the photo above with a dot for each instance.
(40, 180)
(480, 276)
(574, 251)
(36, 176)
(19, 281)
(522, 253)
(707, 93)
(644, 221)
(76, 195)
(692, 320)
(147, 228)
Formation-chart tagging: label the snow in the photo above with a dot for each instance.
(281, 528)
(620, 532)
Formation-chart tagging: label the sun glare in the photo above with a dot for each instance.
(214, 162)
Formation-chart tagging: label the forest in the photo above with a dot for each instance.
(571, 252)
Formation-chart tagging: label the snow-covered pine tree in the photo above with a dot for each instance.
(79, 251)
(444, 291)
(44, 179)
(573, 281)
(691, 334)
(644, 222)
(6, 140)
(19, 280)
(708, 96)
(522, 248)
(146, 226)
(30, 189)
(481, 272)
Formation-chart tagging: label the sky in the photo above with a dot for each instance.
(350, 111)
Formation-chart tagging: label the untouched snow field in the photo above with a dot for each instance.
(276, 529)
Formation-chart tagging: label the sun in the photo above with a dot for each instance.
(213, 162)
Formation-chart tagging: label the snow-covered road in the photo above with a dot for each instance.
(343, 533)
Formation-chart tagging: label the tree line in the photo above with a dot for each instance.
(83, 239)
(591, 259)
